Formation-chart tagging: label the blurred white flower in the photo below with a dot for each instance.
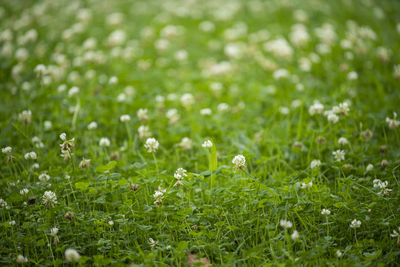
(325, 212)
(285, 224)
(71, 255)
(355, 223)
(315, 164)
(186, 143)
(207, 144)
(30, 155)
(21, 259)
(151, 145)
(239, 161)
(104, 142)
(343, 141)
(125, 118)
(92, 125)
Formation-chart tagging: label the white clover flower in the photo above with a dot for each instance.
(113, 80)
(6, 150)
(61, 88)
(25, 116)
(286, 224)
(54, 231)
(104, 142)
(142, 114)
(44, 177)
(40, 69)
(223, 107)
(125, 118)
(144, 131)
(92, 125)
(325, 212)
(393, 123)
(332, 117)
(121, 97)
(239, 161)
(355, 223)
(280, 74)
(205, 111)
(352, 76)
(369, 167)
(295, 235)
(63, 136)
(207, 144)
(111, 223)
(12, 222)
(24, 191)
(180, 174)
(316, 108)
(187, 100)
(342, 109)
(315, 164)
(343, 141)
(49, 198)
(21, 259)
(306, 185)
(71, 255)
(284, 110)
(35, 166)
(30, 155)
(151, 145)
(339, 154)
(186, 143)
(172, 115)
(158, 195)
(279, 48)
(396, 233)
(339, 254)
(73, 91)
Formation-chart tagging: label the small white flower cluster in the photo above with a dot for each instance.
(172, 115)
(71, 255)
(159, 195)
(125, 118)
(104, 142)
(393, 123)
(339, 155)
(24, 191)
(239, 161)
(21, 259)
(4, 204)
(325, 212)
(66, 146)
(207, 144)
(315, 164)
(151, 145)
(186, 143)
(30, 155)
(144, 131)
(355, 223)
(180, 174)
(316, 108)
(288, 224)
(53, 233)
(142, 115)
(382, 185)
(38, 143)
(44, 177)
(49, 198)
(25, 116)
(306, 185)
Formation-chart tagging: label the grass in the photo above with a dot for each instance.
(125, 206)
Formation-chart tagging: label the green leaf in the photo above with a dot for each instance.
(182, 246)
(105, 168)
(213, 161)
(82, 185)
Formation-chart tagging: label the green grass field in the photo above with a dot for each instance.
(199, 133)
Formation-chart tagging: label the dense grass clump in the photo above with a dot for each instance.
(198, 133)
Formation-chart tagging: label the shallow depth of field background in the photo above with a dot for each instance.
(306, 91)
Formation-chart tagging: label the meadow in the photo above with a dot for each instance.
(199, 133)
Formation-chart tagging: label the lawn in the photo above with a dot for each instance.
(199, 133)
